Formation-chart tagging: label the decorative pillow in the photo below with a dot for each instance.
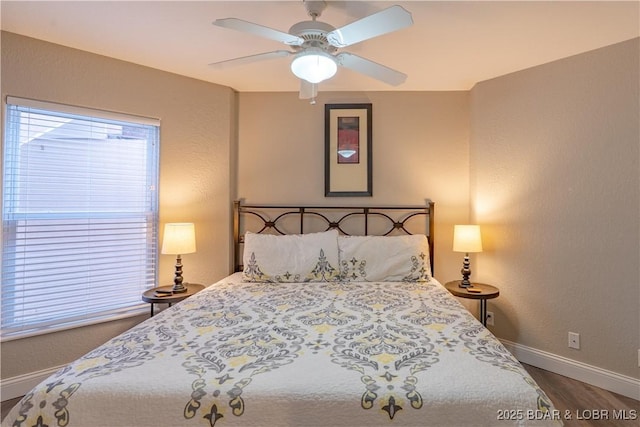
(292, 258)
(384, 258)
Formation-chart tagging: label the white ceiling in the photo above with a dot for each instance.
(451, 46)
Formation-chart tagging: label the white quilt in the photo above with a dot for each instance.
(296, 354)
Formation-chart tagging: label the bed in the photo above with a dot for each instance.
(332, 318)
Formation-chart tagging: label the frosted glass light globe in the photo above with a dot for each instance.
(314, 66)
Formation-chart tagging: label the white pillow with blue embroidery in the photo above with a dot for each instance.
(384, 258)
(309, 257)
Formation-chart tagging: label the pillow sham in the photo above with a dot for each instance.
(384, 258)
(309, 257)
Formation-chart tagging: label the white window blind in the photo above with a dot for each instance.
(79, 216)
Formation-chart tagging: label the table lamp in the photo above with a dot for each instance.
(179, 238)
(466, 238)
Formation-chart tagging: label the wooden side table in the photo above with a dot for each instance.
(151, 297)
(486, 292)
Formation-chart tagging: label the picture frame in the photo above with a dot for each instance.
(348, 153)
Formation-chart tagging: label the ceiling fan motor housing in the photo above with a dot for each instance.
(314, 34)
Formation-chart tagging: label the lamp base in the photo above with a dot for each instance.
(464, 283)
(178, 287)
(466, 272)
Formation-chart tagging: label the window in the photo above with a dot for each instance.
(79, 216)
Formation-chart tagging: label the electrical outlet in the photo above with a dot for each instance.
(490, 318)
(574, 340)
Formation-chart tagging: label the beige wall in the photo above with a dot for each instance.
(420, 150)
(195, 150)
(555, 183)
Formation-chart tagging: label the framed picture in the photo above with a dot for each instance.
(347, 159)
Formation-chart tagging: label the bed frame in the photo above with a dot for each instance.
(348, 220)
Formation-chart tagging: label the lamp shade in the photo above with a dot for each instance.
(466, 238)
(179, 238)
(314, 65)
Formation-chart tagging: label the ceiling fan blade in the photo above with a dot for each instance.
(259, 30)
(370, 68)
(391, 19)
(308, 90)
(251, 58)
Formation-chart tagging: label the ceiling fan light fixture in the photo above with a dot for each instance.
(314, 65)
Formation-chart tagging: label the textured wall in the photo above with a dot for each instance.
(555, 183)
(420, 150)
(195, 150)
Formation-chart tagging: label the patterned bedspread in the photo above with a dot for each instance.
(296, 354)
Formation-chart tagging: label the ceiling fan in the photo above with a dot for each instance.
(314, 45)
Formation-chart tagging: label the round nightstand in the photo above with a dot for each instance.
(486, 292)
(152, 297)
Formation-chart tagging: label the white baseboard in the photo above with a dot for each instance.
(608, 380)
(19, 386)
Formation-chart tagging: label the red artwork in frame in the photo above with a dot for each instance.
(348, 150)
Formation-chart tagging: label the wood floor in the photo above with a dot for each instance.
(582, 401)
(585, 402)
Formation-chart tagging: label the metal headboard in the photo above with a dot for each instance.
(348, 220)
